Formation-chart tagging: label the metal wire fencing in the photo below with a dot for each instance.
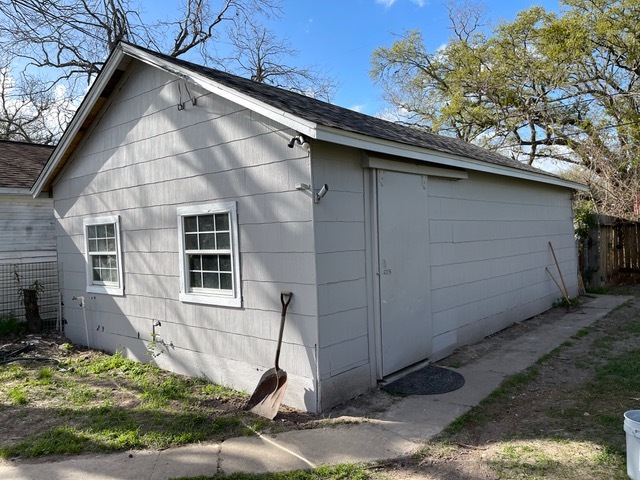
(41, 277)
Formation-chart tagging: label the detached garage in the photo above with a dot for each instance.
(187, 199)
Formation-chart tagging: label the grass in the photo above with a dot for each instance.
(74, 409)
(337, 472)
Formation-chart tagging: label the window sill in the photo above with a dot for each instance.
(115, 291)
(220, 300)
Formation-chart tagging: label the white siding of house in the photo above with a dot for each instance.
(143, 158)
(489, 248)
(344, 363)
(27, 232)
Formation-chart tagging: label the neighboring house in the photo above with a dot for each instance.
(27, 232)
(186, 201)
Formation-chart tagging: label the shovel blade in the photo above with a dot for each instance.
(267, 397)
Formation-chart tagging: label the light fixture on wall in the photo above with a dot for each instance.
(321, 193)
(317, 196)
(299, 139)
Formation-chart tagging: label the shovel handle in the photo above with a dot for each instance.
(285, 304)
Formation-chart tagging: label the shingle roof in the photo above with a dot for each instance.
(333, 116)
(21, 163)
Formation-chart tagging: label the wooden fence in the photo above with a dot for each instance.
(610, 253)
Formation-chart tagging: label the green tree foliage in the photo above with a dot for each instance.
(544, 86)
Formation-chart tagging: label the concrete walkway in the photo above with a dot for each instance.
(395, 433)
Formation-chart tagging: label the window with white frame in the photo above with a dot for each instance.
(209, 266)
(103, 255)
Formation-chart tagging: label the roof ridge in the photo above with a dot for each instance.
(331, 115)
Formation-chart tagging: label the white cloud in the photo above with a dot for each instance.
(389, 3)
(393, 114)
(358, 108)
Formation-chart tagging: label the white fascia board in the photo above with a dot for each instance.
(78, 119)
(417, 169)
(418, 153)
(15, 191)
(296, 123)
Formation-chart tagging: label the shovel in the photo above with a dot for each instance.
(267, 396)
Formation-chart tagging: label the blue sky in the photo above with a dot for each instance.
(339, 35)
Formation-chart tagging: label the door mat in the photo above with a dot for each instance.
(429, 380)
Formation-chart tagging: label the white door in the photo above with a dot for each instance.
(403, 247)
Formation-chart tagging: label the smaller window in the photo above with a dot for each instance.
(209, 267)
(102, 254)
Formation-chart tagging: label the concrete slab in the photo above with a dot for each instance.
(95, 467)
(192, 461)
(259, 454)
(309, 448)
(189, 461)
(419, 418)
(507, 361)
(478, 384)
(606, 302)
(519, 353)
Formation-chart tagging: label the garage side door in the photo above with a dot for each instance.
(403, 240)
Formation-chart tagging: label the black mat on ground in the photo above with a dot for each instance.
(429, 380)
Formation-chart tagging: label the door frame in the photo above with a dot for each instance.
(371, 165)
(373, 273)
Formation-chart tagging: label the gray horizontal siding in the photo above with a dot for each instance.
(489, 245)
(344, 363)
(142, 160)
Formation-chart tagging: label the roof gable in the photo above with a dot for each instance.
(21, 163)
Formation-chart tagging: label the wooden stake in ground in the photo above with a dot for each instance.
(564, 286)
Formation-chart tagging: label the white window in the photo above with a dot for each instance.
(103, 255)
(209, 265)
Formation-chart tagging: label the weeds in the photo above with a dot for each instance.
(10, 325)
(18, 395)
(337, 472)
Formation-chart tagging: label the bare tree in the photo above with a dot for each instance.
(261, 56)
(75, 37)
(28, 114)
(59, 46)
